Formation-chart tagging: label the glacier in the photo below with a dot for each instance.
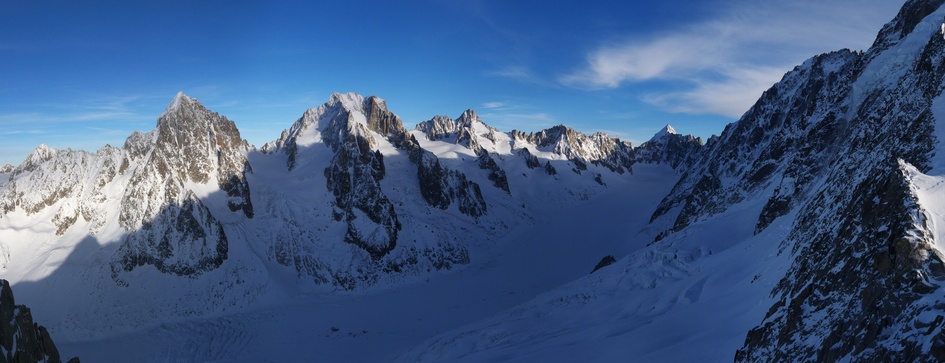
(808, 230)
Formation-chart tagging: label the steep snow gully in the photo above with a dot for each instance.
(812, 229)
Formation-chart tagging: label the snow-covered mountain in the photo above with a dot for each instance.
(188, 220)
(809, 230)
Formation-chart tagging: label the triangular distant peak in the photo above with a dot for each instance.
(176, 102)
(666, 130)
(469, 116)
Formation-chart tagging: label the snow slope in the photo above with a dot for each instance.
(689, 298)
(809, 230)
(188, 227)
(377, 325)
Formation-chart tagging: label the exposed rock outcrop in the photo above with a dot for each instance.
(668, 147)
(170, 227)
(831, 145)
(598, 148)
(22, 339)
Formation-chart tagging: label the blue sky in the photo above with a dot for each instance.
(86, 74)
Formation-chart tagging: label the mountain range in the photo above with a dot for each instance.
(808, 230)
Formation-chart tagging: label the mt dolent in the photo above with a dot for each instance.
(812, 229)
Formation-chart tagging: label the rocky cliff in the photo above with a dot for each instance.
(834, 146)
(22, 339)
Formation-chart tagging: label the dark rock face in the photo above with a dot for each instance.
(354, 177)
(463, 131)
(184, 240)
(21, 339)
(833, 145)
(440, 186)
(604, 262)
(381, 120)
(911, 13)
(197, 144)
(863, 246)
(496, 174)
(785, 138)
(671, 149)
(352, 127)
(874, 299)
(579, 166)
(169, 226)
(531, 161)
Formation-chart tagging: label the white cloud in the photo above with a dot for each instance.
(728, 61)
(730, 96)
(494, 105)
(522, 74)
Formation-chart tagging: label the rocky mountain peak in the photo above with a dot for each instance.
(468, 117)
(905, 22)
(666, 130)
(380, 119)
(561, 139)
(670, 148)
(344, 112)
(437, 126)
(41, 154)
(192, 139)
(189, 144)
(351, 101)
(179, 99)
(468, 130)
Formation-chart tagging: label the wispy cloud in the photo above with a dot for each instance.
(731, 95)
(727, 62)
(521, 74)
(21, 132)
(495, 105)
(121, 108)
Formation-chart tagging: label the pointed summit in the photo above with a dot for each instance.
(666, 130)
(468, 117)
(197, 145)
(176, 102)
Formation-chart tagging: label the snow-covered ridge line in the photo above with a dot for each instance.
(347, 199)
(809, 230)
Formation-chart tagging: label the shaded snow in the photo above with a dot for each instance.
(378, 325)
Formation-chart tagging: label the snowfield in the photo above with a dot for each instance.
(383, 323)
(813, 229)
